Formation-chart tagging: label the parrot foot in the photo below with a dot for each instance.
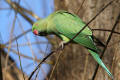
(62, 44)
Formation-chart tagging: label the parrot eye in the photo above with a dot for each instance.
(36, 24)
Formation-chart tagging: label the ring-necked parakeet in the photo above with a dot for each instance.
(66, 25)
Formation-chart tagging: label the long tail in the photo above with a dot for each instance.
(97, 58)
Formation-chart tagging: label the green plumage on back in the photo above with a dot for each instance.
(66, 25)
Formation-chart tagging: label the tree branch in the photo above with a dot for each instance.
(108, 40)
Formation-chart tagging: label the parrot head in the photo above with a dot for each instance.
(39, 28)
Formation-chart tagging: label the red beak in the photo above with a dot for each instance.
(35, 32)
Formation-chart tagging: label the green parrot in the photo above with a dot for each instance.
(66, 25)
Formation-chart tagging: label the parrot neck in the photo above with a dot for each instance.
(42, 26)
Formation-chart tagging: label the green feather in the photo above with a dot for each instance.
(97, 58)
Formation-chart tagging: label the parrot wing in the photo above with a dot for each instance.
(69, 25)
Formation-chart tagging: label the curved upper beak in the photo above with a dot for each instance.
(35, 32)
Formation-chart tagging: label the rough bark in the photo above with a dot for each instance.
(71, 65)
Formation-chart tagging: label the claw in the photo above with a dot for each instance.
(62, 44)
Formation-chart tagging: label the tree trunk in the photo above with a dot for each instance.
(75, 63)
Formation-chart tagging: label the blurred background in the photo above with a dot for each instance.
(21, 50)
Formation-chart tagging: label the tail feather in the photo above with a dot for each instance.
(97, 58)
